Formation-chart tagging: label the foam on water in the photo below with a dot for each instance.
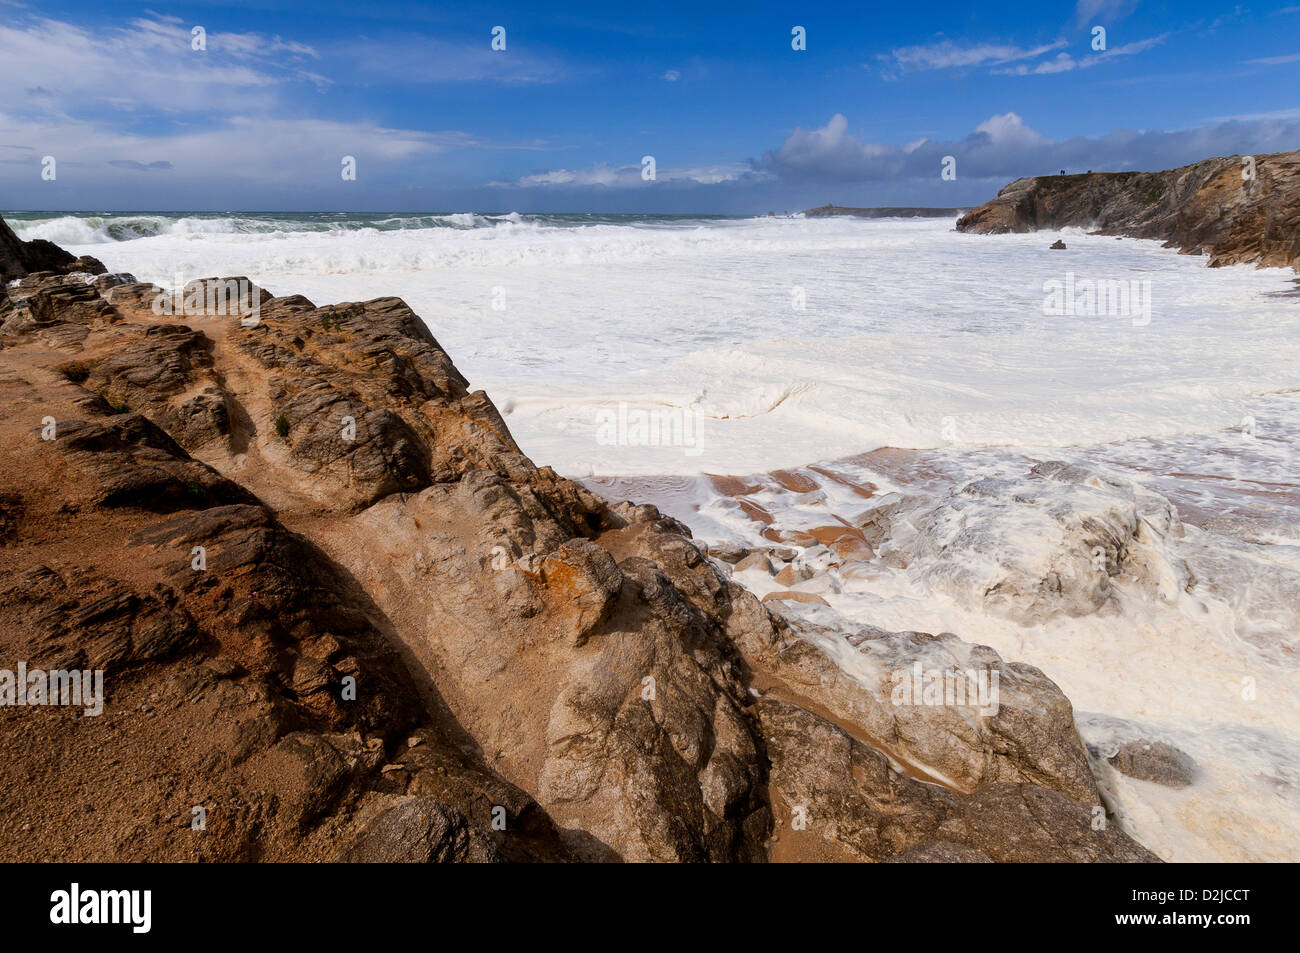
(910, 335)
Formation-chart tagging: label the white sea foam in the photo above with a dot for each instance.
(912, 336)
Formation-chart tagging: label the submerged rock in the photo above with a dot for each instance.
(1061, 539)
(1155, 761)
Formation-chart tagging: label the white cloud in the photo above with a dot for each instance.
(276, 151)
(830, 147)
(1004, 147)
(147, 69)
(1103, 12)
(225, 115)
(1275, 60)
(1009, 130)
(1064, 62)
(948, 55)
(672, 75)
(146, 65)
(997, 57)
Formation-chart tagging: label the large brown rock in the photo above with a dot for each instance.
(844, 791)
(851, 677)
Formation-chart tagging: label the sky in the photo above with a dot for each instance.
(254, 106)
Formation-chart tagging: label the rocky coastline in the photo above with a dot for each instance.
(1235, 209)
(341, 616)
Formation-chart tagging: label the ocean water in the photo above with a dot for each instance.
(650, 355)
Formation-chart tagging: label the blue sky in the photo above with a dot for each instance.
(736, 120)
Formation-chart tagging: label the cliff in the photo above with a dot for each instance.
(1235, 211)
(340, 616)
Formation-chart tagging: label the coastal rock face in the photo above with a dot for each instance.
(874, 813)
(865, 681)
(1234, 209)
(19, 258)
(340, 616)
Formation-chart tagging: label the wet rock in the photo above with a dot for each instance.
(728, 552)
(1024, 823)
(1155, 761)
(852, 548)
(135, 463)
(755, 561)
(156, 374)
(304, 773)
(792, 575)
(850, 794)
(793, 595)
(106, 281)
(58, 305)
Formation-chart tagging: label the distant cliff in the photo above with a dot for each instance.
(1234, 209)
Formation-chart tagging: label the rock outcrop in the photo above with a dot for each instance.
(18, 258)
(340, 616)
(1234, 209)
